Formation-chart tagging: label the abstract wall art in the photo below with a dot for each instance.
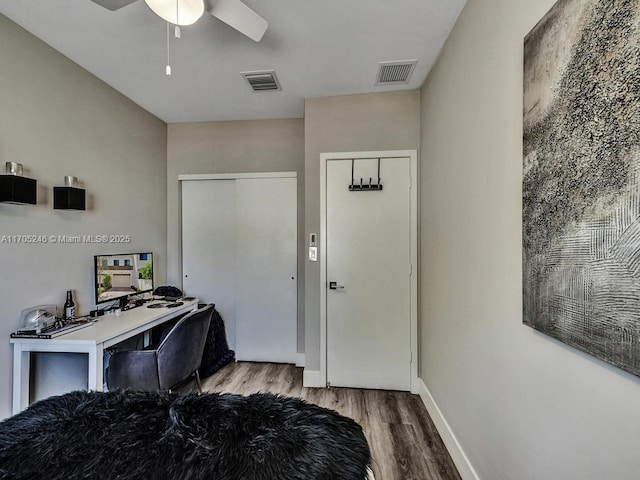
(581, 178)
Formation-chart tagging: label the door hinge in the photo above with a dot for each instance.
(410, 269)
(410, 356)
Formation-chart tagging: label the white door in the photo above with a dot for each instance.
(368, 258)
(208, 246)
(266, 298)
(239, 251)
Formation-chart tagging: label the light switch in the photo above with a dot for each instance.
(313, 254)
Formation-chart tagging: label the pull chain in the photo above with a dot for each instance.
(177, 34)
(177, 30)
(168, 69)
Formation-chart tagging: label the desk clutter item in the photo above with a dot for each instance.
(168, 436)
(35, 319)
(167, 291)
(96, 313)
(43, 322)
(166, 305)
(69, 307)
(52, 332)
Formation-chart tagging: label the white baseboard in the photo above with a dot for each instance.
(448, 437)
(300, 360)
(311, 378)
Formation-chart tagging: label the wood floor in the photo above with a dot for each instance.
(405, 444)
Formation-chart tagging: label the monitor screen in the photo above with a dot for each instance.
(123, 274)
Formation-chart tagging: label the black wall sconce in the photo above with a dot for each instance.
(16, 189)
(69, 197)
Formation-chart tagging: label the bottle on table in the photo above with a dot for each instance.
(69, 307)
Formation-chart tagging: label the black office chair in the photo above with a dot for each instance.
(175, 359)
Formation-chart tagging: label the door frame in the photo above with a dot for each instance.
(413, 251)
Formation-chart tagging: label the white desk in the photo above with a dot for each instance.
(93, 340)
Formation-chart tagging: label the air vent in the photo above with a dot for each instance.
(262, 81)
(395, 73)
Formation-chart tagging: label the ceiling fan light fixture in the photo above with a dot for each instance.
(178, 12)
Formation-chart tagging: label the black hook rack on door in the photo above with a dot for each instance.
(363, 187)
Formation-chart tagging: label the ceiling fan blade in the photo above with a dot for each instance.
(237, 15)
(113, 5)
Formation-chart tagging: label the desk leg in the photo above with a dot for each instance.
(96, 369)
(21, 368)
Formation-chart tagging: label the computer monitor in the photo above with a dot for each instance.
(119, 275)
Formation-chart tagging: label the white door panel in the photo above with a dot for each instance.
(368, 252)
(208, 235)
(266, 311)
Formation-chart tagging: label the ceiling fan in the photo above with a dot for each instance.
(186, 12)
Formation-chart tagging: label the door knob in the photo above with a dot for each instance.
(335, 286)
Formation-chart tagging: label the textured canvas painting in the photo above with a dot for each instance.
(581, 178)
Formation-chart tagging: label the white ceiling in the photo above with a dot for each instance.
(317, 48)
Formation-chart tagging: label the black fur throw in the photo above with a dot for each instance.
(160, 436)
(216, 353)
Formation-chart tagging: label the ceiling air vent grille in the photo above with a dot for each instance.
(395, 73)
(262, 81)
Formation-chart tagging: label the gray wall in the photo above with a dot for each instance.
(234, 147)
(522, 405)
(381, 121)
(57, 119)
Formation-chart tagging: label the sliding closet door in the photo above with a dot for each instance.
(208, 243)
(266, 261)
(239, 251)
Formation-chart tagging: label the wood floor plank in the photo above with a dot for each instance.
(437, 455)
(404, 442)
(409, 458)
(382, 454)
